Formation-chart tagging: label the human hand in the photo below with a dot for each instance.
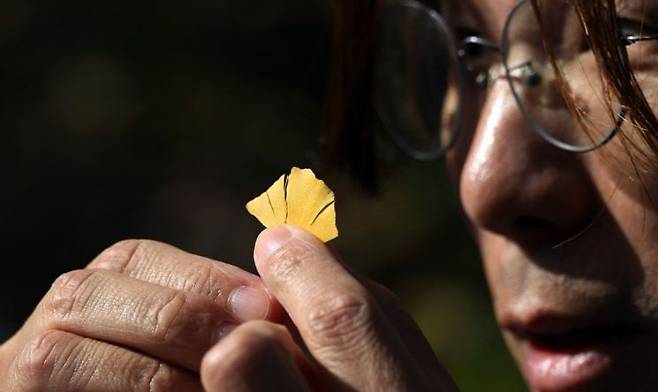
(139, 317)
(356, 332)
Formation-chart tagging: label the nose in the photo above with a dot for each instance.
(515, 184)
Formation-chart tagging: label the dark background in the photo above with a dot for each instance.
(161, 119)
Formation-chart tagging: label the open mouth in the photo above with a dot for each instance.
(580, 339)
(572, 360)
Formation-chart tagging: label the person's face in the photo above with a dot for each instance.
(569, 241)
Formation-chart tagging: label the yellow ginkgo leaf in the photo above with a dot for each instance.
(298, 198)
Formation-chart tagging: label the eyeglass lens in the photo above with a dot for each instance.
(530, 42)
(421, 83)
(415, 63)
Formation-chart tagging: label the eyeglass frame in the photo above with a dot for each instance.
(503, 50)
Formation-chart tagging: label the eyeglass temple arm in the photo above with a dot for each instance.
(631, 39)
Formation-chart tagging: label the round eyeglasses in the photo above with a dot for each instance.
(427, 81)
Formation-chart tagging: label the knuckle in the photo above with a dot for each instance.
(118, 256)
(341, 320)
(159, 378)
(203, 280)
(38, 363)
(58, 360)
(69, 293)
(161, 263)
(130, 371)
(168, 320)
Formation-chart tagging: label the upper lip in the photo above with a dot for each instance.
(541, 323)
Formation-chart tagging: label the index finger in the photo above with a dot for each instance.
(241, 293)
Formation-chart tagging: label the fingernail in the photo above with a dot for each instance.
(269, 241)
(222, 331)
(247, 303)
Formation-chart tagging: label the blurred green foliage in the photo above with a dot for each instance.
(160, 119)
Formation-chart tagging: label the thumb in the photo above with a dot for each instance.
(336, 316)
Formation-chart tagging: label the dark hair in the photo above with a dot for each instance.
(348, 142)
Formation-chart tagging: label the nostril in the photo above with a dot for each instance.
(535, 231)
(532, 223)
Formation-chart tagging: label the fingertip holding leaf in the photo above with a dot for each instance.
(300, 199)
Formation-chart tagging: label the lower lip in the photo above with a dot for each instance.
(550, 369)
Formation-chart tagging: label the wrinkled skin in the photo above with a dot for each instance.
(147, 316)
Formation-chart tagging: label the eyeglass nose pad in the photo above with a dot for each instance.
(539, 83)
(528, 74)
(525, 74)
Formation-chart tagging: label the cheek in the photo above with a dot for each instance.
(492, 267)
(632, 203)
(639, 226)
(506, 268)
